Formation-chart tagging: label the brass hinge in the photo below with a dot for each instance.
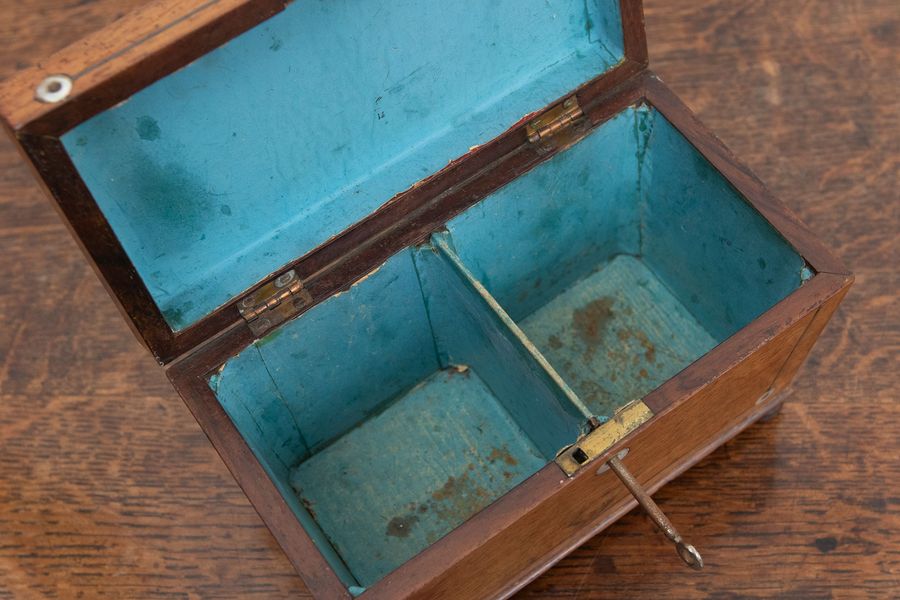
(274, 303)
(556, 127)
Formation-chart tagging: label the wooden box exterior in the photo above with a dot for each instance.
(522, 534)
(518, 537)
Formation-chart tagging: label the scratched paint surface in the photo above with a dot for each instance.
(256, 153)
(617, 334)
(404, 479)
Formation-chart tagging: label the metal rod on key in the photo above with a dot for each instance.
(687, 552)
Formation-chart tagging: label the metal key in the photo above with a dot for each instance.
(686, 551)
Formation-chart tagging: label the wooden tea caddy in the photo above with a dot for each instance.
(420, 373)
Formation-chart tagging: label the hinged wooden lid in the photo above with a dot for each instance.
(195, 186)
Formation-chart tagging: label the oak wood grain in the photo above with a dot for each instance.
(108, 489)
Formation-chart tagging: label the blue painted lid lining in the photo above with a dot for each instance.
(219, 174)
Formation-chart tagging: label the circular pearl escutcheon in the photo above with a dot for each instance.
(54, 88)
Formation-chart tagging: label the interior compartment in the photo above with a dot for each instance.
(391, 413)
(219, 174)
(625, 258)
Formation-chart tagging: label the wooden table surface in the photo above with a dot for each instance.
(108, 489)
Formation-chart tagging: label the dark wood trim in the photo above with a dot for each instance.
(634, 33)
(113, 63)
(73, 201)
(780, 216)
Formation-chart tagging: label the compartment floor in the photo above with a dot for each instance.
(617, 334)
(440, 453)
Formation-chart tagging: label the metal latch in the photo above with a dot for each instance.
(603, 437)
(556, 127)
(274, 303)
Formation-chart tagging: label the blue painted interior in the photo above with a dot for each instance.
(625, 258)
(393, 412)
(389, 414)
(217, 175)
(713, 250)
(402, 480)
